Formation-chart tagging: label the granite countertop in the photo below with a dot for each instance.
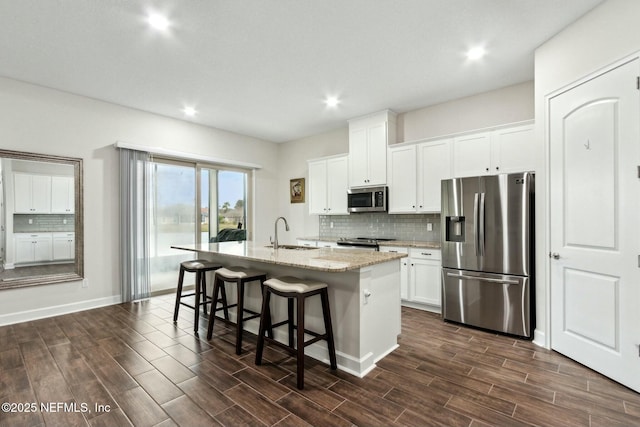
(322, 259)
(398, 243)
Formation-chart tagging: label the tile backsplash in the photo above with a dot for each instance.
(407, 227)
(43, 223)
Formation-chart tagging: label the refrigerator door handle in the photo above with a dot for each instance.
(481, 225)
(476, 230)
(483, 279)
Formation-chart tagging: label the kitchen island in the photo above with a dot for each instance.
(364, 294)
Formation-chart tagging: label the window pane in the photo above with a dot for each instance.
(231, 199)
(172, 221)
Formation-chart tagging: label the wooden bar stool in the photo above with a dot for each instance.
(200, 267)
(296, 289)
(239, 276)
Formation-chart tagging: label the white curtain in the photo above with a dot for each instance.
(135, 174)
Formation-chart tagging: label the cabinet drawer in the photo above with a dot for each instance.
(394, 249)
(422, 253)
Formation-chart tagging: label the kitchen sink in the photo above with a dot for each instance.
(293, 247)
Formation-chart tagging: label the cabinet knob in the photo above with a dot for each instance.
(487, 169)
(497, 168)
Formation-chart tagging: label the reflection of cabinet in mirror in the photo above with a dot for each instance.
(40, 219)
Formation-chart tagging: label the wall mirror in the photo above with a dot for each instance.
(41, 221)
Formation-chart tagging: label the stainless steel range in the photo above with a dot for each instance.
(364, 243)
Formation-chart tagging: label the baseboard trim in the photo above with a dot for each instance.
(42, 313)
(539, 338)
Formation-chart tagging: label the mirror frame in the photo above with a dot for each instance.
(78, 274)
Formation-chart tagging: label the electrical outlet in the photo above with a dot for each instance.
(30, 221)
(429, 226)
(85, 283)
(331, 224)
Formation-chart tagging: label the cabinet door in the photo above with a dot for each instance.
(434, 165)
(425, 281)
(358, 157)
(513, 150)
(317, 188)
(63, 248)
(337, 185)
(377, 154)
(404, 269)
(22, 193)
(472, 155)
(42, 249)
(62, 194)
(41, 193)
(402, 179)
(24, 250)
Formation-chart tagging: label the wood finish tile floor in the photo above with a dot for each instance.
(141, 369)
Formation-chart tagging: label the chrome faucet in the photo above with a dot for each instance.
(274, 242)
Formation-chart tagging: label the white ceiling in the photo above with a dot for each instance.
(263, 67)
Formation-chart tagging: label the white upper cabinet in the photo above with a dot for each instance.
(402, 179)
(328, 185)
(415, 172)
(434, 165)
(32, 193)
(504, 150)
(368, 141)
(62, 194)
(513, 150)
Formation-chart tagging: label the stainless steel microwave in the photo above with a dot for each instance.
(371, 199)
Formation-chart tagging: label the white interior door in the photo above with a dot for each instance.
(594, 234)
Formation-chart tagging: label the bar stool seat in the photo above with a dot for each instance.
(240, 276)
(199, 267)
(296, 289)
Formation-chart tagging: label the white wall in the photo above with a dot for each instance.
(506, 105)
(41, 120)
(601, 37)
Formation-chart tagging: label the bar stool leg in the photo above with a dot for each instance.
(290, 323)
(265, 319)
(223, 296)
(324, 295)
(197, 303)
(204, 292)
(214, 305)
(300, 341)
(178, 294)
(239, 316)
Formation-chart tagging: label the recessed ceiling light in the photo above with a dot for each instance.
(332, 101)
(189, 111)
(157, 21)
(476, 53)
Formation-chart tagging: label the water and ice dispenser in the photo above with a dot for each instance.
(454, 227)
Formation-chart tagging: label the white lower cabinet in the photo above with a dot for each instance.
(404, 269)
(420, 277)
(44, 247)
(424, 283)
(64, 246)
(33, 247)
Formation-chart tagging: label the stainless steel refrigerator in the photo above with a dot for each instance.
(488, 252)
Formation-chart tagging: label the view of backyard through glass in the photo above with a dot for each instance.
(173, 213)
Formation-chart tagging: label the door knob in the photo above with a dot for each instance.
(554, 255)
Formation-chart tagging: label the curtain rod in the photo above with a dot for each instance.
(186, 156)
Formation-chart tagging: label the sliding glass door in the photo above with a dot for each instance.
(191, 203)
(172, 220)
